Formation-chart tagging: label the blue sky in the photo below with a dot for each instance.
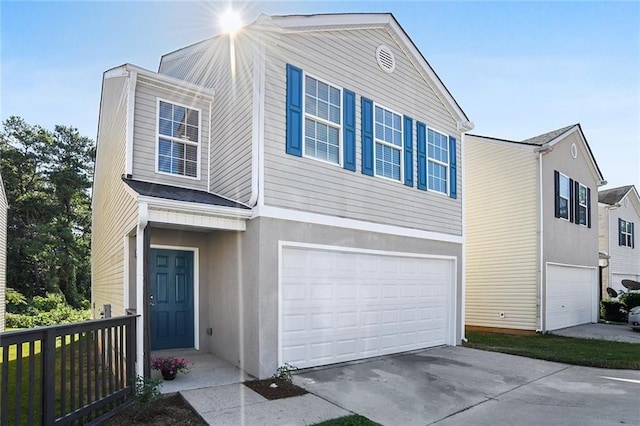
(517, 69)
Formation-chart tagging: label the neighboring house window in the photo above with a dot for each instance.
(625, 233)
(388, 143)
(178, 139)
(565, 196)
(582, 206)
(322, 120)
(438, 161)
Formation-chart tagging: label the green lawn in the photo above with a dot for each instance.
(352, 420)
(568, 350)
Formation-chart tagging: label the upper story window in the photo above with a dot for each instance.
(437, 161)
(625, 233)
(388, 143)
(582, 205)
(565, 196)
(178, 139)
(322, 124)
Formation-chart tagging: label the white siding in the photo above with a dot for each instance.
(501, 234)
(625, 261)
(347, 59)
(231, 113)
(114, 209)
(3, 254)
(603, 243)
(145, 134)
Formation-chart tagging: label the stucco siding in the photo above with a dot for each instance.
(565, 242)
(347, 59)
(146, 131)
(501, 234)
(114, 209)
(3, 254)
(210, 65)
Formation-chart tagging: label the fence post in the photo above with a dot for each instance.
(131, 353)
(48, 351)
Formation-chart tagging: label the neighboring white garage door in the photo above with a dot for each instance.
(571, 296)
(339, 306)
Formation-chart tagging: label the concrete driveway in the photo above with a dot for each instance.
(601, 331)
(456, 385)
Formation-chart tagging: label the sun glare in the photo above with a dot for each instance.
(230, 21)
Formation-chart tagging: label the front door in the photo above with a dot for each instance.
(172, 309)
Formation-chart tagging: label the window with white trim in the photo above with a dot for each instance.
(388, 143)
(322, 120)
(581, 213)
(178, 139)
(437, 161)
(565, 196)
(625, 233)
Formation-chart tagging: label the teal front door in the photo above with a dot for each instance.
(172, 308)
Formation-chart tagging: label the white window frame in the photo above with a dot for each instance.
(197, 144)
(568, 198)
(436, 161)
(393, 146)
(627, 235)
(581, 206)
(321, 120)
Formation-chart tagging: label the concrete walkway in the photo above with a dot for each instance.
(601, 331)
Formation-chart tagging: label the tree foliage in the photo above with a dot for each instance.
(47, 177)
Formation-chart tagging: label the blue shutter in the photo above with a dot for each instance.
(367, 136)
(294, 111)
(421, 131)
(453, 175)
(408, 151)
(349, 130)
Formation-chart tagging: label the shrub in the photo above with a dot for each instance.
(612, 310)
(284, 372)
(146, 393)
(16, 301)
(60, 314)
(630, 299)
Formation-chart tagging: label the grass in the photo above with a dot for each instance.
(352, 420)
(567, 350)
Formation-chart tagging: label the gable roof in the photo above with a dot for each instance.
(548, 137)
(175, 193)
(613, 195)
(354, 21)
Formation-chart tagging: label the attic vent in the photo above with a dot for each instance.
(385, 58)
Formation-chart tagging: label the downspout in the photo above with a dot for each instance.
(541, 283)
(131, 100)
(143, 218)
(257, 136)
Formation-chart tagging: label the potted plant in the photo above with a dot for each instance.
(170, 366)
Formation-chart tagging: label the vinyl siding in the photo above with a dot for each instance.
(565, 242)
(347, 59)
(603, 242)
(145, 134)
(624, 260)
(114, 209)
(501, 234)
(3, 254)
(232, 110)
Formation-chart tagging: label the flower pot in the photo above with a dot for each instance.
(168, 375)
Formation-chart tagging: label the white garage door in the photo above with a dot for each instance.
(339, 306)
(571, 296)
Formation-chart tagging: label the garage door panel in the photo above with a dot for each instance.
(571, 292)
(343, 306)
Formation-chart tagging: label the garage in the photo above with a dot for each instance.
(571, 296)
(340, 305)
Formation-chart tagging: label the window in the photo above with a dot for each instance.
(322, 107)
(582, 205)
(178, 139)
(565, 196)
(388, 143)
(437, 161)
(625, 233)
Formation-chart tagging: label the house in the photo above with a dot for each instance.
(285, 194)
(4, 206)
(618, 214)
(531, 231)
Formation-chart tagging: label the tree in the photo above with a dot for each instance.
(47, 177)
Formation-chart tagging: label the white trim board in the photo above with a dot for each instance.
(196, 287)
(359, 225)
